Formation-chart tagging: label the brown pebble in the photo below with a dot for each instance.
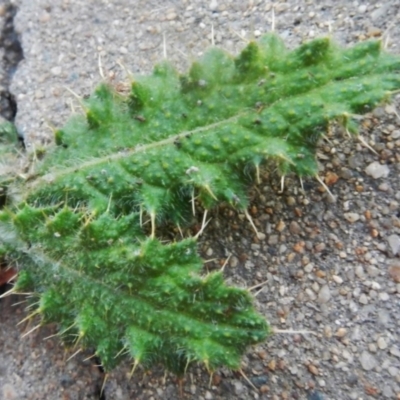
(359, 188)
(262, 354)
(299, 247)
(374, 32)
(264, 389)
(290, 201)
(341, 332)
(280, 226)
(319, 247)
(216, 379)
(281, 364)
(320, 273)
(313, 369)
(272, 365)
(374, 233)
(371, 390)
(328, 332)
(299, 384)
(394, 272)
(298, 212)
(339, 245)
(367, 214)
(297, 338)
(331, 178)
(285, 395)
(294, 228)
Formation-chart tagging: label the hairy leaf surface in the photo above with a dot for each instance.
(78, 233)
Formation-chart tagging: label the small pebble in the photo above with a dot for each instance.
(352, 217)
(394, 273)
(368, 361)
(238, 387)
(384, 187)
(382, 343)
(394, 243)
(324, 294)
(377, 170)
(213, 5)
(341, 332)
(363, 299)
(362, 8)
(384, 296)
(56, 70)
(337, 279)
(294, 228)
(394, 351)
(315, 396)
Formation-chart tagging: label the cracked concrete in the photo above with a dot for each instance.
(62, 41)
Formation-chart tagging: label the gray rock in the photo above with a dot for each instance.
(294, 228)
(273, 239)
(324, 294)
(379, 12)
(394, 243)
(363, 299)
(395, 134)
(377, 170)
(239, 388)
(368, 361)
(395, 351)
(388, 392)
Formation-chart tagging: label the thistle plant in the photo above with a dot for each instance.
(74, 226)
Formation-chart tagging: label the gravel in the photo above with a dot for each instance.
(332, 269)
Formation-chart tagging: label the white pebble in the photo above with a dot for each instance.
(352, 217)
(309, 267)
(363, 299)
(310, 294)
(384, 296)
(382, 343)
(213, 5)
(56, 70)
(377, 170)
(337, 279)
(362, 8)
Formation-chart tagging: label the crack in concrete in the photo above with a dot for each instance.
(12, 55)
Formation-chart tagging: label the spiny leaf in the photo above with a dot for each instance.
(147, 155)
(117, 291)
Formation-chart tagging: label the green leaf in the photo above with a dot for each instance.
(78, 231)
